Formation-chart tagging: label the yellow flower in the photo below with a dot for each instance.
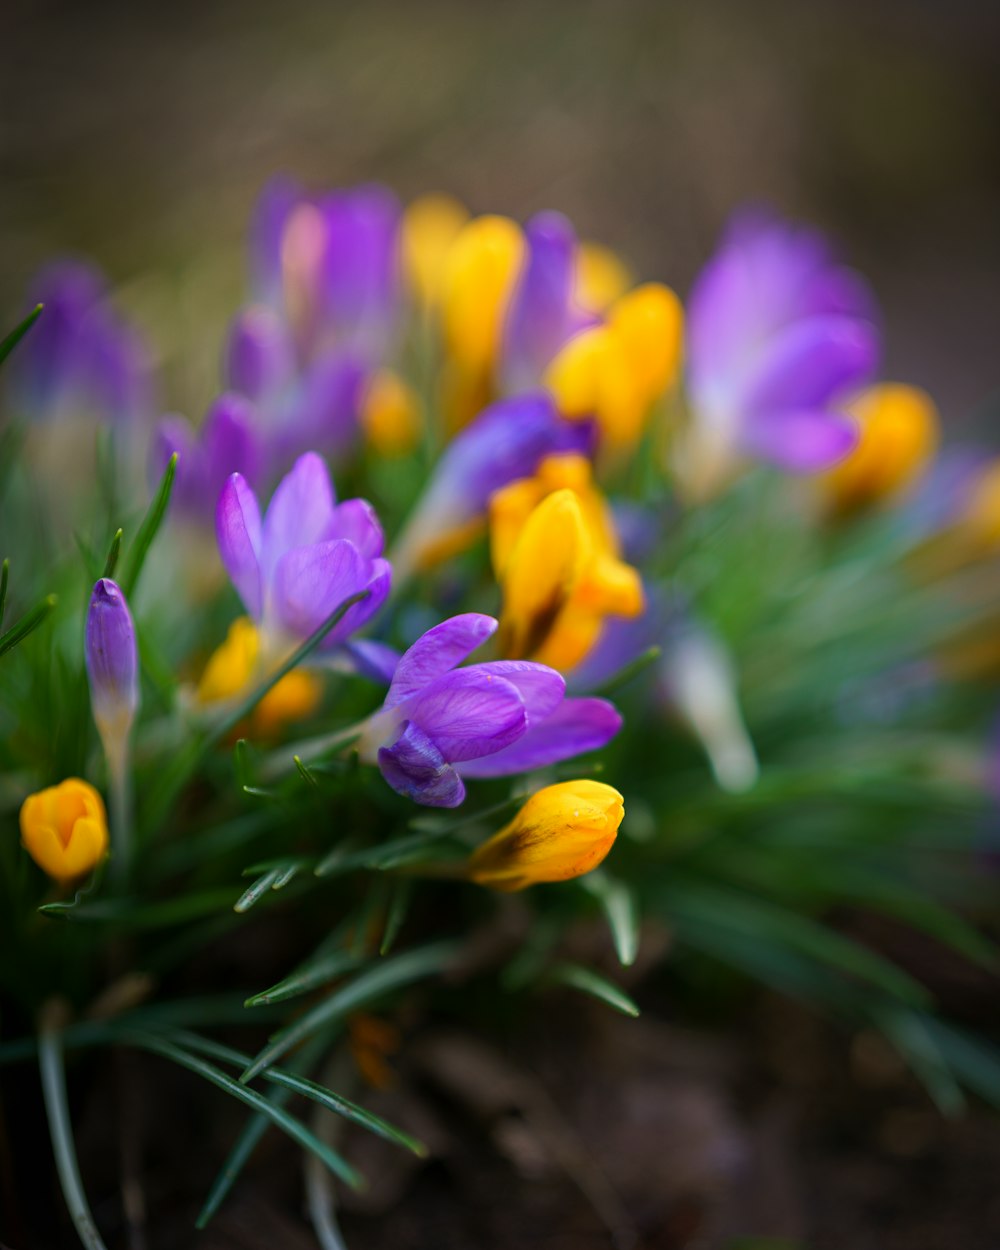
(233, 667)
(64, 829)
(561, 832)
(979, 523)
(899, 435)
(556, 555)
(390, 415)
(431, 225)
(600, 278)
(615, 372)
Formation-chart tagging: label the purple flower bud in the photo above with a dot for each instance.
(542, 314)
(259, 360)
(112, 665)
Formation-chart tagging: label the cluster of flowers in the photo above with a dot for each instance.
(553, 369)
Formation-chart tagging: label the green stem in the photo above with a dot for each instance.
(120, 795)
(50, 1063)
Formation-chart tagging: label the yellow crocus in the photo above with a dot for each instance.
(235, 664)
(601, 278)
(556, 554)
(431, 225)
(390, 415)
(615, 372)
(899, 428)
(979, 521)
(560, 833)
(479, 276)
(65, 829)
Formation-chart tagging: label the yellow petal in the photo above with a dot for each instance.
(294, 698)
(591, 377)
(601, 277)
(649, 323)
(431, 225)
(510, 508)
(480, 272)
(65, 829)
(542, 572)
(390, 415)
(232, 664)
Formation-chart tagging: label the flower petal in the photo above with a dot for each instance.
(541, 688)
(577, 725)
(377, 585)
(437, 652)
(357, 520)
(538, 322)
(375, 660)
(300, 511)
(803, 442)
(258, 357)
(414, 767)
(309, 583)
(238, 529)
(808, 363)
(469, 714)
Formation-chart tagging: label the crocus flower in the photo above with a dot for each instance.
(778, 335)
(899, 434)
(112, 668)
(81, 358)
(542, 314)
(556, 554)
(431, 224)
(227, 442)
(505, 442)
(65, 829)
(305, 557)
(440, 723)
(561, 832)
(391, 416)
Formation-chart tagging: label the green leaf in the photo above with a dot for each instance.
(908, 1032)
(148, 529)
(631, 670)
(399, 905)
(390, 974)
(8, 344)
(111, 563)
(314, 973)
(622, 910)
(4, 577)
(134, 914)
(53, 1074)
(26, 625)
(277, 1115)
(590, 982)
(257, 891)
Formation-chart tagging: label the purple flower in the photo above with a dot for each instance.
(542, 315)
(81, 357)
(440, 723)
(259, 358)
(112, 665)
(505, 442)
(226, 443)
(305, 557)
(778, 333)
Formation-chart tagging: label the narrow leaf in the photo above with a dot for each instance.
(26, 625)
(10, 341)
(590, 982)
(111, 563)
(148, 529)
(622, 910)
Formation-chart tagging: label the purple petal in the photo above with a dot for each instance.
(300, 511)
(238, 529)
(275, 205)
(414, 767)
(175, 435)
(375, 660)
(378, 586)
(230, 442)
(541, 308)
(258, 357)
(468, 713)
(578, 725)
(541, 687)
(111, 656)
(437, 652)
(802, 442)
(357, 520)
(810, 362)
(310, 582)
(325, 410)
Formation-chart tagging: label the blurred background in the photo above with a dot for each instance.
(141, 134)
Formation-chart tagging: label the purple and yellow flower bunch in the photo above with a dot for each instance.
(474, 520)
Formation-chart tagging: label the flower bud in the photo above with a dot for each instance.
(480, 274)
(561, 832)
(390, 415)
(64, 829)
(430, 226)
(112, 665)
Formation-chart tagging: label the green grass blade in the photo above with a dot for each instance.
(399, 905)
(26, 625)
(111, 563)
(622, 911)
(277, 1115)
(256, 891)
(10, 341)
(588, 982)
(147, 531)
(53, 1074)
(4, 578)
(391, 974)
(308, 977)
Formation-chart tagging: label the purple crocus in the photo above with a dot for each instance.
(505, 442)
(112, 666)
(778, 334)
(81, 357)
(441, 723)
(226, 443)
(305, 557)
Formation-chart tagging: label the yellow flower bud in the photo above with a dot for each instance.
(431, 225)
(65, 829)
(649, 324)
(390, 415)
(979, 522)
(899, 435)
(556, 554)
(235, 665)
(561, 832)
(480, 273)
(591, 377)
(600, 278)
